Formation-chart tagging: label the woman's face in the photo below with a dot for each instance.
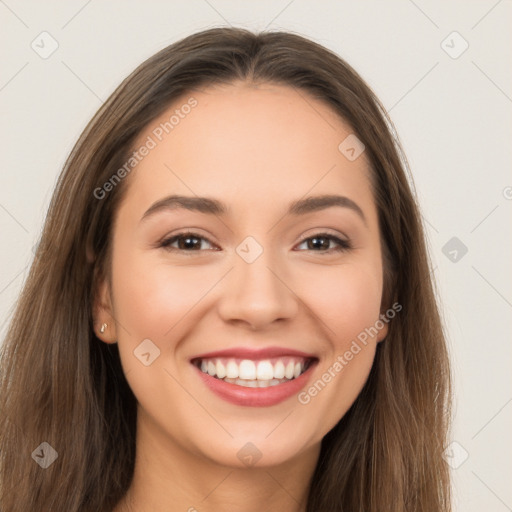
(268, 264)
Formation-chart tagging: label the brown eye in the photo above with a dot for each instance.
(322, 243)
(185, 242)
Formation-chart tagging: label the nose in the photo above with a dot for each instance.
(256, 294)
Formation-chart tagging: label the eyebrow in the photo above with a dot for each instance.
(214, 207)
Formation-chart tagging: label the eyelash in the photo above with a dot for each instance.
(343, 245)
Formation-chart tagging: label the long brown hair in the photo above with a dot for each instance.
(59, 384)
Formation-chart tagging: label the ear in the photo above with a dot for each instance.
(103, 313)
(382, 332)
(383, 326)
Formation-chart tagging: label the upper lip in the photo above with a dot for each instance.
(254, 354)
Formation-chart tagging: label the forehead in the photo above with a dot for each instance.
(246, 143)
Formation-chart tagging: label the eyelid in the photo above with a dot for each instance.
(324, 231)
(343, 242)
(167, 240)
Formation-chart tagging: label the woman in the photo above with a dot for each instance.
(231, 306)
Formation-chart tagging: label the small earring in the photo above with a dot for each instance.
(102, 328)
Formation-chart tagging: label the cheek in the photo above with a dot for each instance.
(348, 303)
(346, 298)
(156, 302)
(152, 298)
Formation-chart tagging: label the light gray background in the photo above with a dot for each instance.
(453, 116)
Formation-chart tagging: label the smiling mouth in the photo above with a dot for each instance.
(254, 373)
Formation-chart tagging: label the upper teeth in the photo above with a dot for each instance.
(288, 368)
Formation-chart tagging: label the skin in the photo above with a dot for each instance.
(256, 149)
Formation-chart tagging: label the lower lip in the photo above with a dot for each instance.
(256, 397)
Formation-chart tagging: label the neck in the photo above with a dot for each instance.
(175, 479)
